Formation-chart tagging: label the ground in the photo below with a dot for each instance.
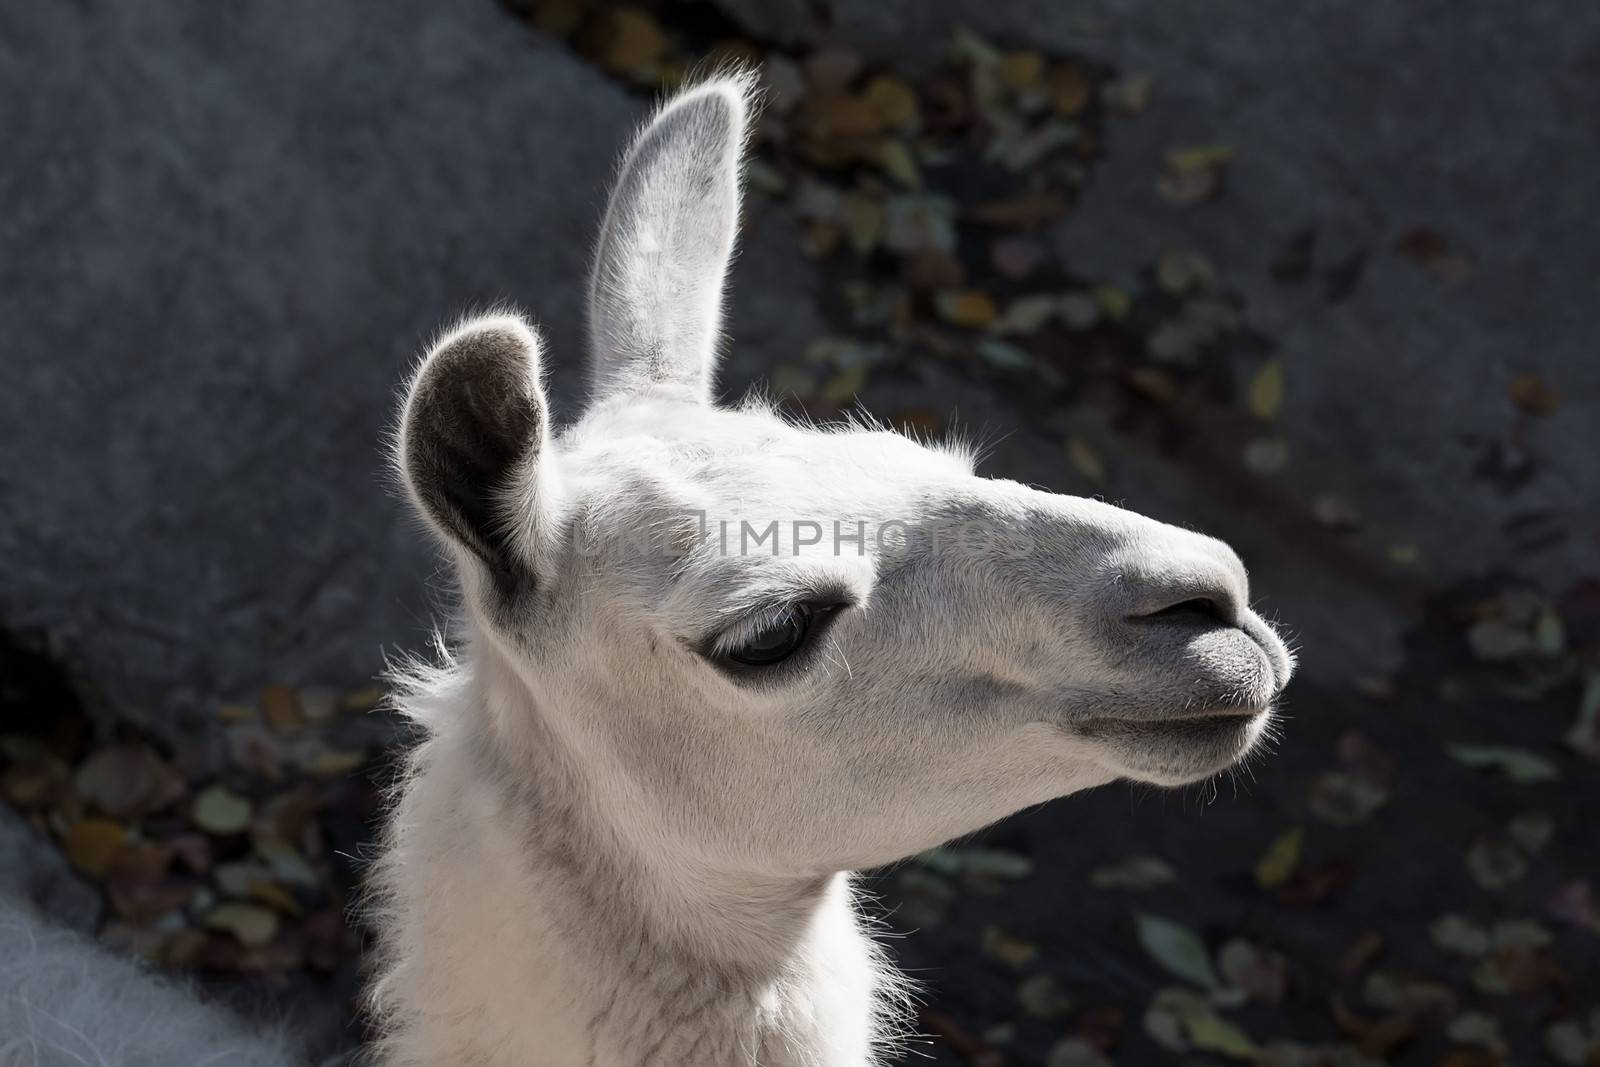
(1319, 283)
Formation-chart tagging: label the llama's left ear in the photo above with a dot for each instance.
(472, 432)
(655, 298)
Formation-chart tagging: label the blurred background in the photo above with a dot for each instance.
(1316, 278)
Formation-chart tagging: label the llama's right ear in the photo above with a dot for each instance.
(655, 298)
(473, 428)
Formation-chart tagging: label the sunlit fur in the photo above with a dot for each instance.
(612, 850)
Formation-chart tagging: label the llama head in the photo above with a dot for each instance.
(786, 648)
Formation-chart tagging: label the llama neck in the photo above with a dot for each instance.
(524, 923)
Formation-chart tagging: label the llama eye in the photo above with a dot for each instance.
(777, 640)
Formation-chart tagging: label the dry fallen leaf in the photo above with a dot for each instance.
(1178, 949)
(1346, 799)
(1021, 70)
(1008, 947)
(1262, 974)
(1266, 455)
(1042, 997)
(629, 41)
(1458, 934)
(1075, 1052)
(128, 781)
(252, 924)
(1130, 95)
(1495, 863)
(1266, 390)
(280, 706)
(1180, 272)
(1281, 858)
(1532, 394)
(93, 845)
(1518, 764)
(361, 701)
(1135, 872)
(1583, 736)
(1429, 249)
(893, 102)
(898, 163)
(1069, 88)
(1085, 460)
(1195, 174)
(218, 810)
(1115, 302)
(1210, 1032)
(967, 307)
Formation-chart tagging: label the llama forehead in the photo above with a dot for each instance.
(633, 461)
(699, 516)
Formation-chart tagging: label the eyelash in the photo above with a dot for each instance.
(822, 616)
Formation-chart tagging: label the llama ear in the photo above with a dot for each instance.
(471, 433)
(655, 297)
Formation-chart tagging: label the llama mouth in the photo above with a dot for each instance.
(1178, 750)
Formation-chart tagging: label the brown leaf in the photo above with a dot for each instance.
(1069, 89)
(1532, 394)
(1362, 756)
(1308, 888)
(839, 129)
(558, 17)
(1017, 257)
(831, 70)
(128, 782)
(1129, 96)
(893, 102)
(1022, 212)
(1375, 1037)
(1361, 953)
(1021, 70)
(1430, 250)
(38, 785)
(280, 706)
(143, 900)
(93, 845)
(1008, 947)
(966, 307)
(627, 40)
(361, 701)
(1194, 175)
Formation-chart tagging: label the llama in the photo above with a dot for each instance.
(712, 661)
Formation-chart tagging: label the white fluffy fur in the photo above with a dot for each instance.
(66, 1002)
(613, 850)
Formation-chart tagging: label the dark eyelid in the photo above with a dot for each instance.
(823, 617)
(820, 599)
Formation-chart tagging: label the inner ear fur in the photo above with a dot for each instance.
(656, 291)
(473, 427)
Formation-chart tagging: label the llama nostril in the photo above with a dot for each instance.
(1197, 604)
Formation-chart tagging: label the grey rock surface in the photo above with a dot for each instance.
(226, 235)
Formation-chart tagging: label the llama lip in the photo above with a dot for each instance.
(1179, 750)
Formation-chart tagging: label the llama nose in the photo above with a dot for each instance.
(1201, 585)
